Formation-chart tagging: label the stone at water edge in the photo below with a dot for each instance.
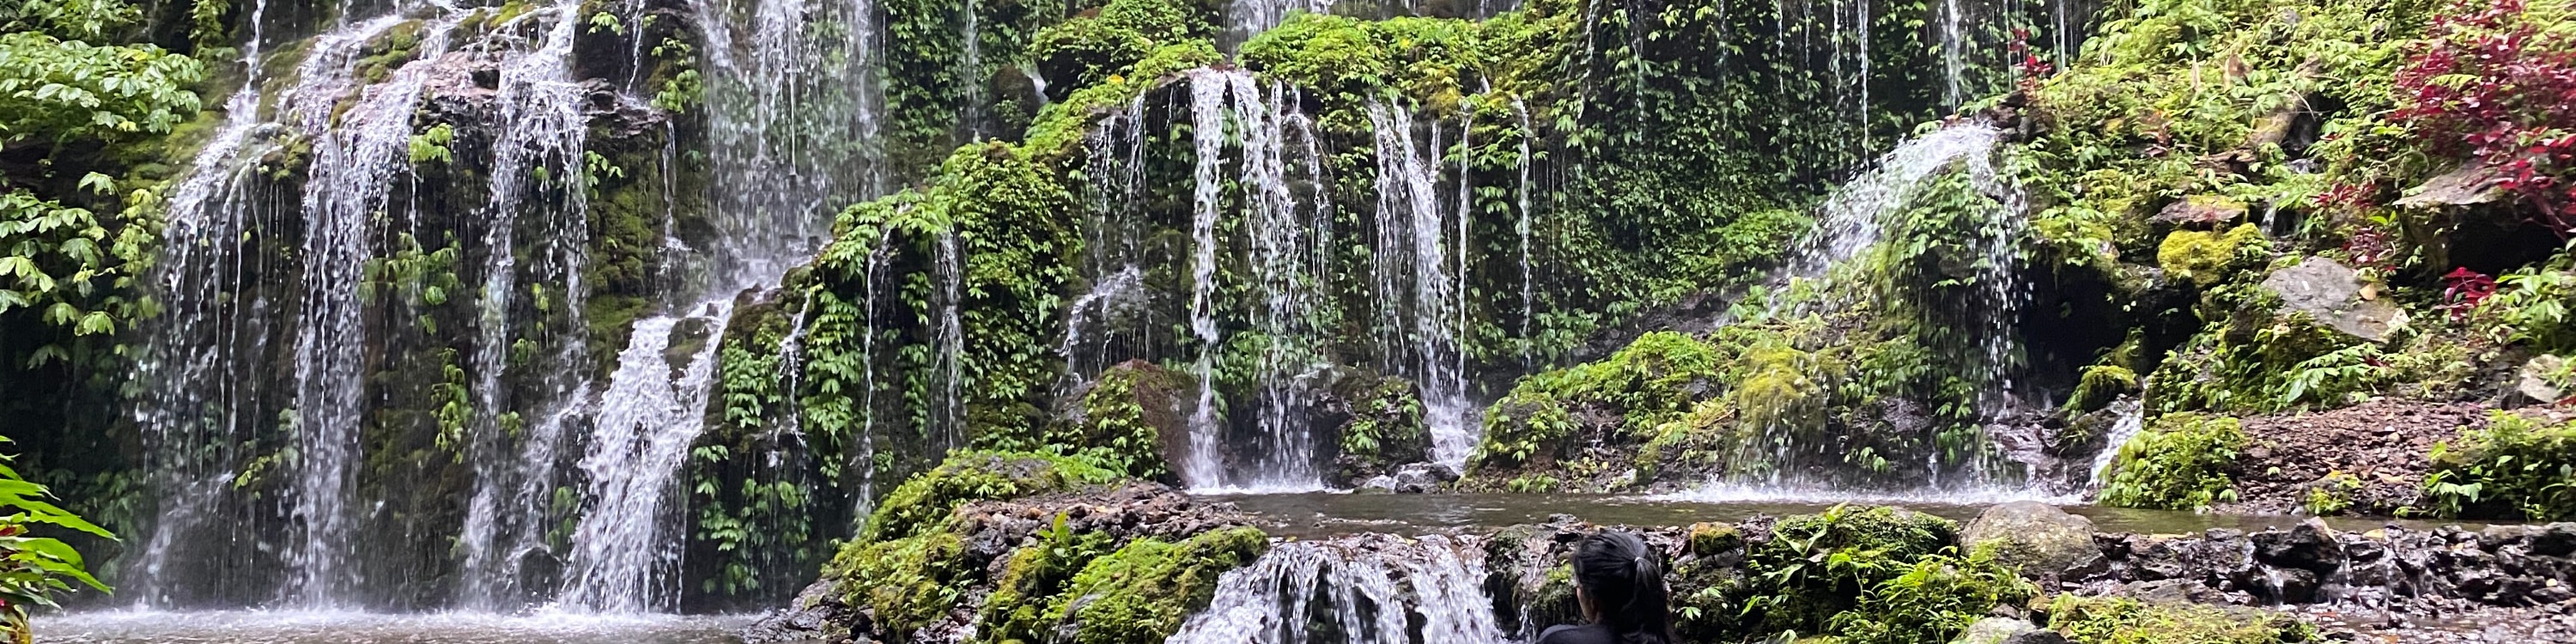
(2332, 293)
(1994, 630)
(2036, 538)
(2201, 212)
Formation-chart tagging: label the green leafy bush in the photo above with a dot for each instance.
(2121, 620)
(2179, 463)
(2516, 466)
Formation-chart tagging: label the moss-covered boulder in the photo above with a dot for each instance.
(1384, 428)
(1141, 593)
(919, 505)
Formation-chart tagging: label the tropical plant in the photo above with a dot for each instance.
(34, 569)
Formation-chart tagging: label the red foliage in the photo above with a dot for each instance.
(2371, 246)
(2032, 68)
(2515, 110)
(2464, 289)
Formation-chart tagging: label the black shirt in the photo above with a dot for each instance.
(1584, 634)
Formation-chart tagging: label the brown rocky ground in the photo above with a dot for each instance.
(2370, 457)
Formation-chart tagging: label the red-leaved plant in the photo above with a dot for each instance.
(2491, 82)
(2464, 289)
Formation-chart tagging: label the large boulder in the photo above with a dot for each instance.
(2036, 538)
(1994, 630)
(2332, 294)
(2534, 380)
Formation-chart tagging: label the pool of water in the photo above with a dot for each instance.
(282, 627)
(1324, 514)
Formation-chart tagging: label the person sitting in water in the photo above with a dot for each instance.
(1619, 580)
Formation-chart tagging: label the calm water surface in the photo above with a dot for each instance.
(277, 627)
(1324, 514)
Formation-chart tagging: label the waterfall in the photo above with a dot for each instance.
(1287, 245)
(951, 273)
(653, 409)
(1854, 219)
(1419, 311)
(1362, 590)
(1205, 468)
(1247, 18)
(792, 129)
(355, 158)
(1529, 285)
(543, 131)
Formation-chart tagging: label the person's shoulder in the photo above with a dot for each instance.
(1576, 634)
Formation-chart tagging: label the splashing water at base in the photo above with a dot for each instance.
(1369, 589)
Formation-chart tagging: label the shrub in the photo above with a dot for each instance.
(2514, 465)
(2121, 620)
(2180, 463)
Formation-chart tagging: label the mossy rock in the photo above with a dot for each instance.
(904, 584)
(2180, 463)
(925, 501)
(2121, 620)
(1142, 593)
(2208, 257)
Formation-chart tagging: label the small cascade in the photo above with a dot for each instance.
(1521, 197)
(1360, 590)
(2133, 419)
(1852, 218)
(1247, 18)
(970, 70)
(792, 129)
(653, 409)
(1091, 342)
(1415, 284)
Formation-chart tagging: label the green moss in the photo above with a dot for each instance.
(921, 504)
(2515, 467)
(2098, 385)
(1651, 381)
(1031, 578)
(2205, 258)
(2121, 620)
(1713, 539)
(2179, 463)
(1142, 592)
(905, 583)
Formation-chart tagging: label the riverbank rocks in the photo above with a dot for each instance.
(1995, 630)
(2332, 294)
(2035, 538)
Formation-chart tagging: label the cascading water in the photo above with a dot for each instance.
(1364, 590)
(2133, 419)
(1415, 284)
(645, 423)
(542, 136)
(1205, 467)
(355, 158)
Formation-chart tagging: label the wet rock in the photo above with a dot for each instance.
(2201, 212)
(2331, 293)
(2472, 184)
(2034, 537)
(2309, 546)
(2036, 637)
(2534, 380)
(1994, 630)
(1417, 478)
(816, 615)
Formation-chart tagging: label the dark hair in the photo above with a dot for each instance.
(1625, 579)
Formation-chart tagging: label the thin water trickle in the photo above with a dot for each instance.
(1414, 282)
(2133, 419)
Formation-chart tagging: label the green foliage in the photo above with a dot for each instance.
(2180, 462)
(2530, 306)
(1386, 426)
(1142, 592)
(921, 504)
(1017, 611)
(59, 91)
(36, 568)
(1652, 381)
(905, 583)
(70, 269)
(69, 19)
(431, 145)
(1116, 430)
(1875, 574)
(2515, 467)
(2331, 495)
(2121, 620)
